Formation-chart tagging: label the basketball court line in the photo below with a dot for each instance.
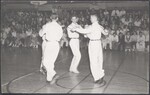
(47, 84)
(20, 77)
(85, 78)
(78, 83)
(122, 61)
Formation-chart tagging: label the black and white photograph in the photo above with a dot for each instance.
(74, 46)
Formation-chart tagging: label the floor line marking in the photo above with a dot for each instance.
(8, 84)
(78, 83)
(122, 61)
(49, 84)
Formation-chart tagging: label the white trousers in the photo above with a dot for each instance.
(74, 45)
(96, 59)
(50, 54)
(43, 48)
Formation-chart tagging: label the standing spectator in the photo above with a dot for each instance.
(147, 40)
(133, 41)
(125, 29)
(34, 40)
(146, 33)
(121, 43)
(115, 41)
(64, 39)
(28, 37)
(122, 12)
(137, 23)
(140, 42)
(107, 40)
(14, 37)
(128, 42)
(22, 38)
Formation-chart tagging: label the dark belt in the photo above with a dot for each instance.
(94, 39)
(50, 41)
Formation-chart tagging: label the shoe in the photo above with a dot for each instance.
(99, 81)
(53, 80)
(43, 70)
(74, 71)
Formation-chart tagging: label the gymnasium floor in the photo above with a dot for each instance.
(125, 73)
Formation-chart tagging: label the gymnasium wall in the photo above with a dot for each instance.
(96, 5)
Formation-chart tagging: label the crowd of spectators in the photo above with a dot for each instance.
(128, 29)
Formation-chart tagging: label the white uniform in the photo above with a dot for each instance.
(54, 33)
(74, 45)
(95, 49)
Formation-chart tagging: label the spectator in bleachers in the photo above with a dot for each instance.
(122, 12)
(106, 12)
(115, 12)
(120, 21)
(137, 23)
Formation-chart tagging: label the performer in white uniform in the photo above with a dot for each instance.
(95, 48)
(74, 45)
(54, 33)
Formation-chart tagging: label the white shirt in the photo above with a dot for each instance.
(137, 23)
(115, 12)
(141, 39)
(134, 38)
(93, 31)
(119, 31)
(122, 19)
(146, 33)
(52, 30)
(7, 30)
(73, 34)
(114, 38)
(106, 12)
(109, 38)
(14, 34)
(122, 12)
(126, 22)
(127, 38)
(64, 37)
(28, 33)
(147, 38)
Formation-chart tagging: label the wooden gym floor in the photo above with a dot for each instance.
(125, 73)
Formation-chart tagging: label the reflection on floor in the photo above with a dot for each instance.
(125, 73)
